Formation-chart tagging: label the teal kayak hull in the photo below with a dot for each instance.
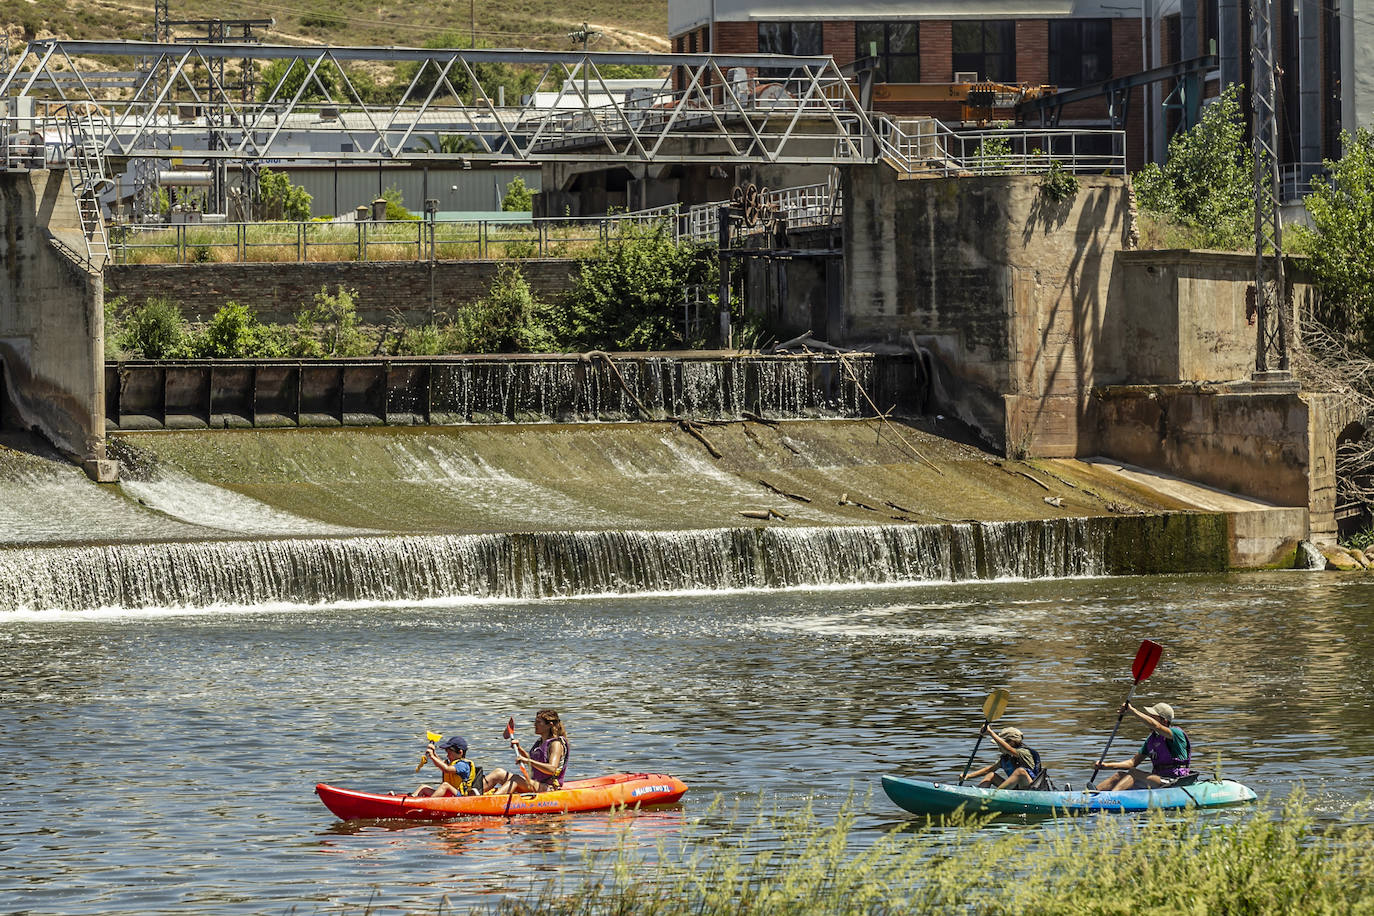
(921, 797)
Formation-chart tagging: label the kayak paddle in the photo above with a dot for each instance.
(431, 737)
(993, 707)
(1144, 665)
(515, 746)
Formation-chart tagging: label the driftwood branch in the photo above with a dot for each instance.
(844, 363)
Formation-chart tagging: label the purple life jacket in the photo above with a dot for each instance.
(1163, 759)
(540, 753)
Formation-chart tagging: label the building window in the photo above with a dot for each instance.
(802, 39)
(986, 48)
(1080, 51)
(897, 47)
(1211, 26)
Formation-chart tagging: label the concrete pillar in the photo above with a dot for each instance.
(1309, 86)
(1357, 67)
(1233, 69)
(52, 319)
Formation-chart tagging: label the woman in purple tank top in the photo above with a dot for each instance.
(1167, 749)
(546, 763)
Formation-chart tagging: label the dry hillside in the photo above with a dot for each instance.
(544, 24)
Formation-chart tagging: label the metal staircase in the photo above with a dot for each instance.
(86, 172)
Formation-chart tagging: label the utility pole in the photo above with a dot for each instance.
(585, 35)
(1272, 330)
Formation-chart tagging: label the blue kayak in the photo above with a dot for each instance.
(921, 797)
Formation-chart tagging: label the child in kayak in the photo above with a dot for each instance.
(1019, 765)
(459, 772)
(546, 763)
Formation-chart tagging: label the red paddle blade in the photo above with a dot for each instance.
(510, 726)
(1146, 659)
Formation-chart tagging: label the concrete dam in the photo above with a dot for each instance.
(322, 481)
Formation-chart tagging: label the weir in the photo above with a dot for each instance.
(580, 563)
(441, 391)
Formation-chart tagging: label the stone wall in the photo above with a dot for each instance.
(1011, 293)
(276, 291)
(51, 318)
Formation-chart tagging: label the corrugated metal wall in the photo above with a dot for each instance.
(339, 190)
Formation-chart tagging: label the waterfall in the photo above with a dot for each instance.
(539, 565)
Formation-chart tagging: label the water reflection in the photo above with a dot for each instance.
(206, 732)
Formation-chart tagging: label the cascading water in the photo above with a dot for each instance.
(538, 565)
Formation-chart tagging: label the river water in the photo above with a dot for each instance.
(161, 761)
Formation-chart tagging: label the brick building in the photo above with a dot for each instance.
(1325, 53)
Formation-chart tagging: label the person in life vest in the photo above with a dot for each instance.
(459, 772)
(1167, 749)
(546, 763)
(1018, 767)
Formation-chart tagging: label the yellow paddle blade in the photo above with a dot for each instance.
(996, 704)
(434, 736)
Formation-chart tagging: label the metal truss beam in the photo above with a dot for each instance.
(707, 108)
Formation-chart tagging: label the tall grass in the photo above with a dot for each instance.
(1259, 862)
(401, 240)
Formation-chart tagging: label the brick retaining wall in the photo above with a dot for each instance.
(276, 291)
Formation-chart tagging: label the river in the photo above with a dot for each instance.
(158, 761)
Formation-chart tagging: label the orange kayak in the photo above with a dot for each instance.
(620, 790)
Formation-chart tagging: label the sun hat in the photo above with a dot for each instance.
(1012, 734)
(455, 743)
(1161, 710)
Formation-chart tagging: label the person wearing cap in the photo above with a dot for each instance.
(1167, 748)
(1020, 764)
(459, 773)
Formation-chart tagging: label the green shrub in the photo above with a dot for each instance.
(395, 209)
(518, 198)
(1341, 239)
(1058, 184)
(278, 198)
(153, 330)
(628, 293)
(1208, 181)
(330, 326)
(508, 319)
(235, 333)
(425, 340)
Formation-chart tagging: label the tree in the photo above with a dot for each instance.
(278, 198)
(323, 85)
(490, 75)
(1342, 211)
(1207, 183)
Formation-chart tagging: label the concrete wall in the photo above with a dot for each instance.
(51, 317)
(277, 291)
(1187, 316)
(1011, 293)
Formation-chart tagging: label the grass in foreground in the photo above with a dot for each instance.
(1257, 862)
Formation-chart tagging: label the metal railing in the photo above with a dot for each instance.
(1295, 179)
(804, 206)
(927, 146)
(370, 240)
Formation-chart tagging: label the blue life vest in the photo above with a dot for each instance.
(1008, 763)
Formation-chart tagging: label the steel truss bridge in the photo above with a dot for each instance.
(708, 108)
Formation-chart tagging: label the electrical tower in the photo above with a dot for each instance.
(1272, 332)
